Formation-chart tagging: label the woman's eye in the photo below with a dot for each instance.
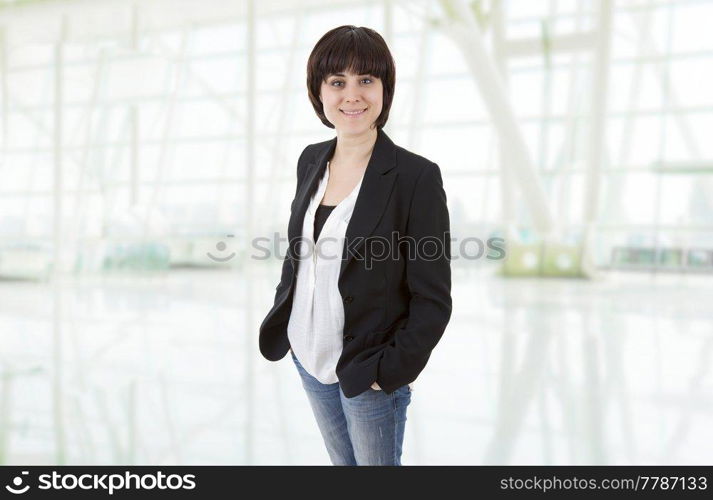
(339, 83)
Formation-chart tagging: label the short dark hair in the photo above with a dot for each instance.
(355, 49)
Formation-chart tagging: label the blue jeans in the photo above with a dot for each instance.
(367, 429)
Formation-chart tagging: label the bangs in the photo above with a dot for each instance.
(358, 55)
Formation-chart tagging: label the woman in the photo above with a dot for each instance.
(362, 309)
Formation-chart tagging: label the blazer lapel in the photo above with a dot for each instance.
(374, 193)
(315, 170)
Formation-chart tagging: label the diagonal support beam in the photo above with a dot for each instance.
(462, 26)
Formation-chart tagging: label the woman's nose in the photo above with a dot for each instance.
(352, 94)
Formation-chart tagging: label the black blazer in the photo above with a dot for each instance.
(396, 307)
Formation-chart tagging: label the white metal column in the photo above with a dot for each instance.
(597, 141)
(57, 249)
(249, 197)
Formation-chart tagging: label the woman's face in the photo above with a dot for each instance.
(351, 102)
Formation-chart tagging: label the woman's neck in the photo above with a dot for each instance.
(354, 150)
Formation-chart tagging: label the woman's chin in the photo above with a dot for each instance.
(354, 128)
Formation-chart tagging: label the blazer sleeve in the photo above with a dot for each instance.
(429, 281)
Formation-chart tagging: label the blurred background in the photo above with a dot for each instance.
(144, 144)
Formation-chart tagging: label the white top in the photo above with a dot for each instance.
(316, 325)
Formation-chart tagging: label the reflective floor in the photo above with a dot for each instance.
(165, 370)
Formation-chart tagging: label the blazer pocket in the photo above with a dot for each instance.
(385, 335)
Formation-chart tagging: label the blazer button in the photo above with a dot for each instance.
(348, 338)
(348, 299)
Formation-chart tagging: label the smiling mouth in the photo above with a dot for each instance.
(353, 113)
